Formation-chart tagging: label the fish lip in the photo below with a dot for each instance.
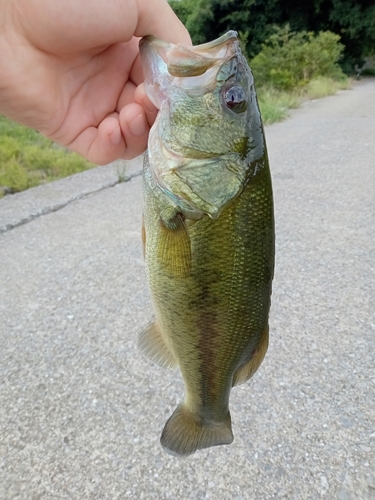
(162, 44)
(219, 41)
(156, 45)
(150, 39)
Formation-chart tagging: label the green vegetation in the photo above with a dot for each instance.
(291, 60)
(275, 104)
(368, 72)
(292, 67)
(352, 20)
(28, 159)
(369, 67)
(322, 86)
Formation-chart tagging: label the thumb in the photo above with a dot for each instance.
(158, 19)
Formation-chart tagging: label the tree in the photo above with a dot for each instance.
(352, 20)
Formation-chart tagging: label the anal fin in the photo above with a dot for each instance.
(151, 343)
(247, 370)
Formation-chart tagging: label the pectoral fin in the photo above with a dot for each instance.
(174, 251)
(247, 370)
(151, 343)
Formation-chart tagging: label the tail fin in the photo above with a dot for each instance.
(185, 432)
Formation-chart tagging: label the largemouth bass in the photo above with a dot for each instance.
(208, 231)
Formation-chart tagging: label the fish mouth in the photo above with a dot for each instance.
(183, 60)
(191, 68)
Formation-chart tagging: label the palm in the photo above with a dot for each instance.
(74, 95)
(88, 89)
(71, 71)
(91, 88)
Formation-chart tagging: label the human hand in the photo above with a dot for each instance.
(71, 70)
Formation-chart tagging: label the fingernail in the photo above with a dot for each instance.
(138, 125)
(115, 137)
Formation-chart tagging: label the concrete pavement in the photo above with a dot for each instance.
(81, 410)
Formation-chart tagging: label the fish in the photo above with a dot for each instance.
(208, 231)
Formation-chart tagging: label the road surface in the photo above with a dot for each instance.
(81, 410)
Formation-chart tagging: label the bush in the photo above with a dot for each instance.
(290, 60)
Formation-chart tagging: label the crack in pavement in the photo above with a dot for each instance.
(55, 208)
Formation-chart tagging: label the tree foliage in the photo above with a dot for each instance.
(289, 60)
(352, 20)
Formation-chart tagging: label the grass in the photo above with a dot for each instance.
(28, 159)
(323, 86)
(275, 104)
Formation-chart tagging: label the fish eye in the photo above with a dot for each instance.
(235, 99)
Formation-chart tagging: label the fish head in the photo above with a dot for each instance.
(208, 134)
